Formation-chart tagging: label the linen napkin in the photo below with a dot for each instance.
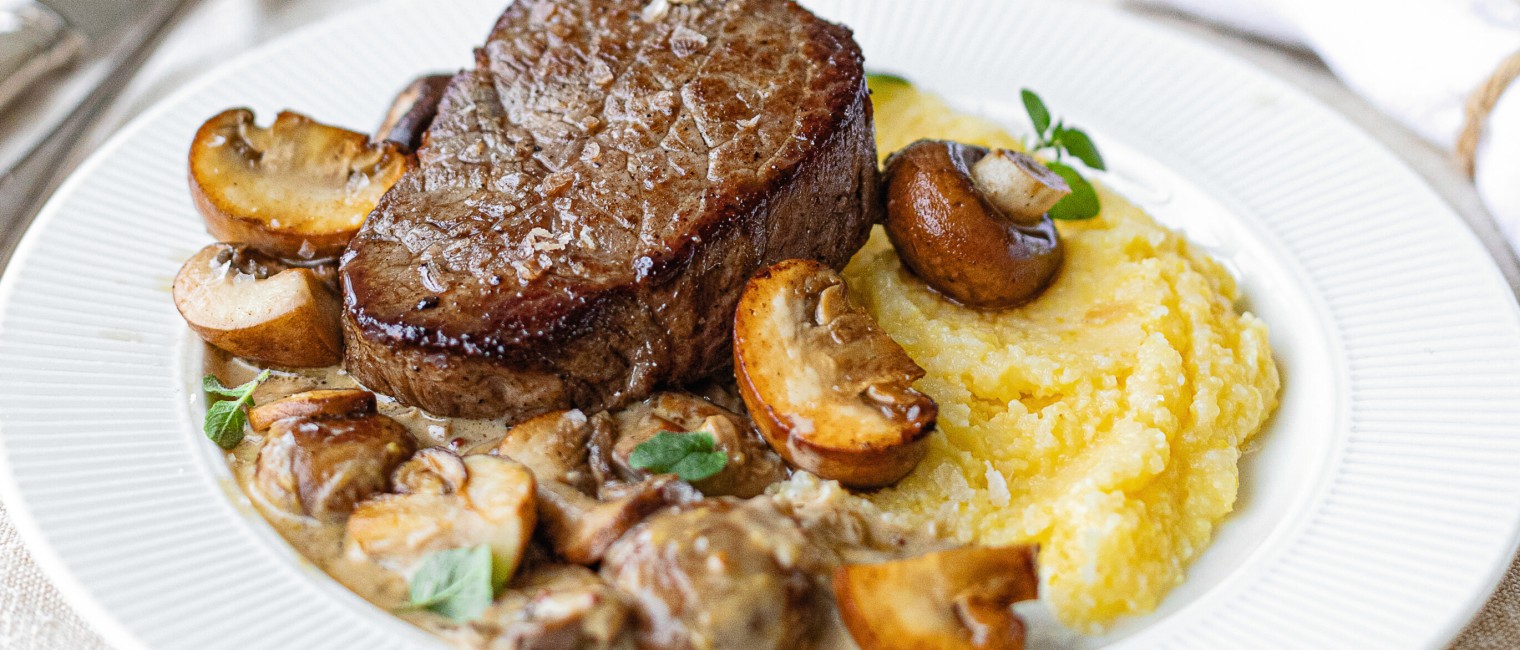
(1419, 61)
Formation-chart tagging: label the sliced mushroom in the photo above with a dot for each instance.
(581, 528)
(443, 501)
(972, 223)
(961, 598)
(831, 392)
(751, 467)
(313, 404)
(297, 190)
(413, 110)
(260, 309)
(320, 468)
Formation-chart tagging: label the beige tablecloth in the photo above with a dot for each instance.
(33, 616)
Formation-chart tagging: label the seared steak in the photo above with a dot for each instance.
(592, 197)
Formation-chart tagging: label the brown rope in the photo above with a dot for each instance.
(1479, 105)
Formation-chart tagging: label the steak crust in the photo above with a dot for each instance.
(592, 197)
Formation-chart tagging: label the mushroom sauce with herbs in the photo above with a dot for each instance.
(852, 530)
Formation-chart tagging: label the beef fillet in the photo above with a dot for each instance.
(592, 197)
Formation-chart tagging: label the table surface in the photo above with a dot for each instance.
(33, 615)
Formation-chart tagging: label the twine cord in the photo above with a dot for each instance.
(1479, 104)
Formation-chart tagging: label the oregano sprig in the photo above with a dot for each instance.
(1059, 140)
(455, 583)
(692, 456)
(225, 418)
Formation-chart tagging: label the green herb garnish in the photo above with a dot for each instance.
(455, 583)
(886, 79)
(692, 456)
(225, 418)
(1061, 140)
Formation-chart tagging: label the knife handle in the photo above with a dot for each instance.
(34, 40)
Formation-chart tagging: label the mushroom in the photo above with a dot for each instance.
(960, 598)
(443, 501)
(720, 573)
(313, 404)
(260, 309)
(581, 528)
(557, 606)
(830, 391)
(972, 223)
(413, 110)
(554, 446)
(321, 468)
(297, 190)
(751, 466)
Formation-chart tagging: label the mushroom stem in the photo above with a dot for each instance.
(1018, 184)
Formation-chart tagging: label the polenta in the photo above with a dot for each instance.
(1104, 420)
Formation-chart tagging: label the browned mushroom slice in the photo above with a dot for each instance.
(297, 190)
(314, 404)
(444, 502)
(260, 309)
(972, 223)
(752, 466)
(321, 468)
(961, 598)
(413, 110)
(831, 392)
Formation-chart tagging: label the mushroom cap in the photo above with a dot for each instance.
(826, 386)
(413, 110)
(314, 404)
(297, 190)
(321, 468)
(260, 309)
(954, 236)
(752, 466)
(947, 600)
(718, 573)
(443, 501)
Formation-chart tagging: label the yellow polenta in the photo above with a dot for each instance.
(1104, 420)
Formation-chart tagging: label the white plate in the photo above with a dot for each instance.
(1379, 511)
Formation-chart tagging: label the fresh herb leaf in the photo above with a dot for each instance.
(224, 423)
(455, 583)
(1076, 143)
(692, 456)
(700, 465)
(667, 448)
(1062, 140)
(1038, 114)
(1082, 203)
(225, 419)
(886, 79)
(212, 385)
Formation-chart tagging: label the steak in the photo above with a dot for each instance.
(593, 195)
